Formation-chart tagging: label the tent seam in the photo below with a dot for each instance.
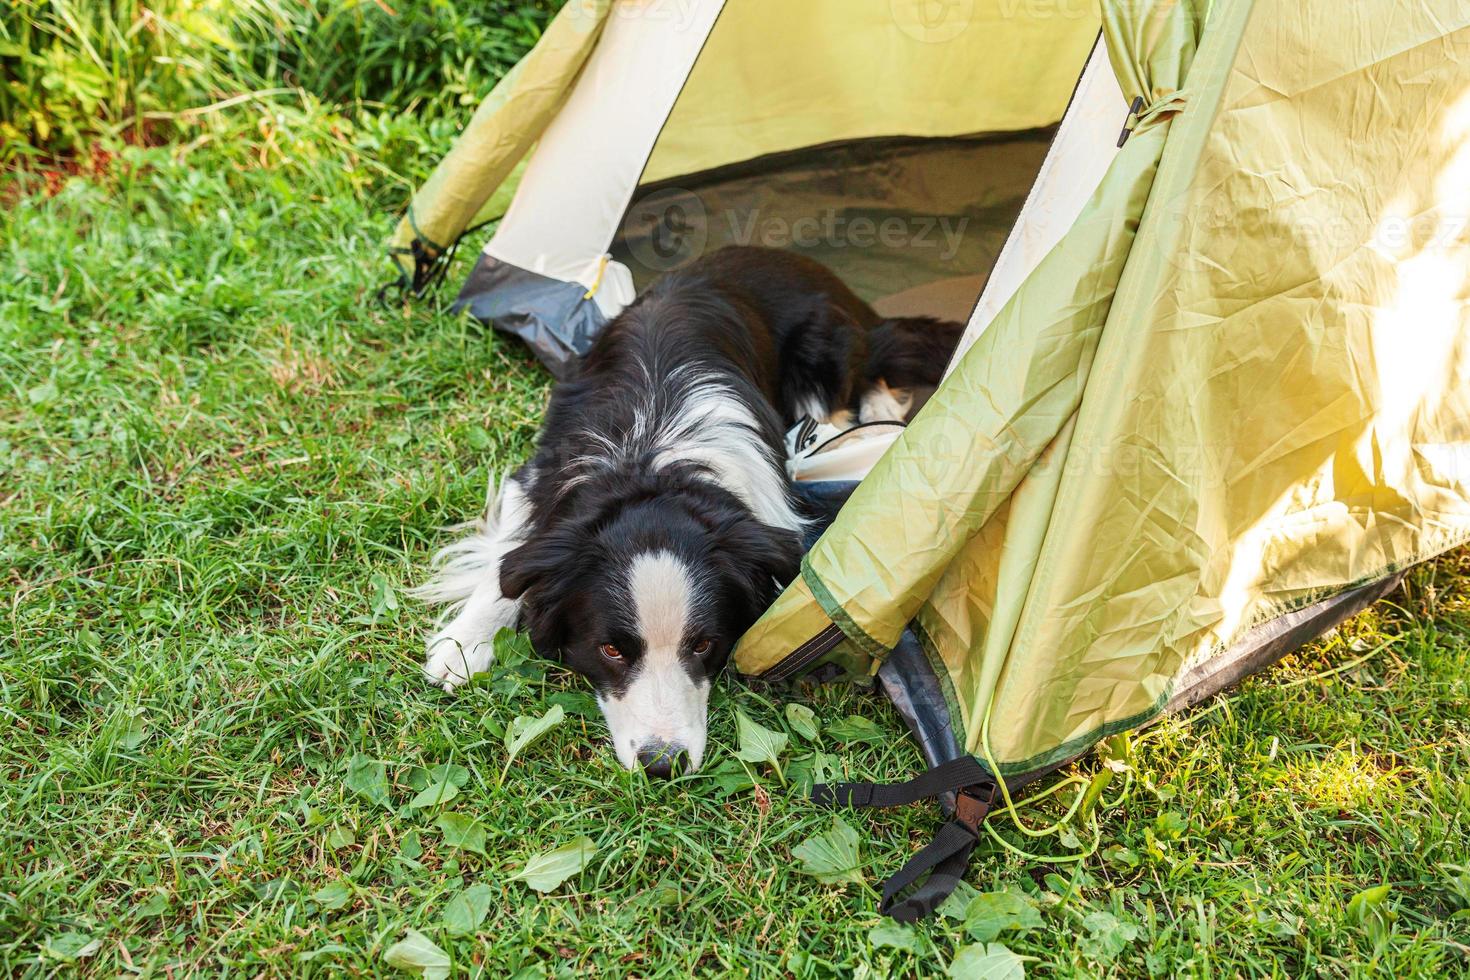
(839, 615)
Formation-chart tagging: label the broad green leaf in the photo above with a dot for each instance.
(465, 911)
(856, 728)
(816, 767)
(730, 777)
(958, 902)
(333, 895)
(832, 856)
(434, 794)
(522, 731)
(369, 778)
(803, 721)
(40, 395)
(508, 682)
(448, 772)
(1170, 825)
(134, 735)
(154, 905)
(1120, 857)
(986, 961)
(416, 953)
(576, 703)
(341, 836)
(477, 437)
(547, 871)
(894, 935)
(385, 599)
(993, 913)
(72, 946)
(462, 831)
(1457, 880)
(758, 743)
(1107, 936)
(1370, 911)
(512, 648)
(664, 895)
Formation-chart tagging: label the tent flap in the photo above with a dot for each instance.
(505, 126)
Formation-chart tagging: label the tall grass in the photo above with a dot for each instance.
(76, 71)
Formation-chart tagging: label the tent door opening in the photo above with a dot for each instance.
(918, 225)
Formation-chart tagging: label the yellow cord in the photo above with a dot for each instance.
(597, 282)
(1010, 807)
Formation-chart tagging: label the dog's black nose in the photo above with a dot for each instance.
(660, 760)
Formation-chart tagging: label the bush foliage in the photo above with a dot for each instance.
(78, 71)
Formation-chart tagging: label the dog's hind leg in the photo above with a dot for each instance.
(822, 358)
(467, 579)
(907, 357)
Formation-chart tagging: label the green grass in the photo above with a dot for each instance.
(220, 464)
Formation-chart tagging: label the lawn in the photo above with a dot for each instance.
(221, 465)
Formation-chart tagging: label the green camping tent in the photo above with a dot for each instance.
(1215, 391)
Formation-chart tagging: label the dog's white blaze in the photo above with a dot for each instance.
(663, 703)
(467, 580)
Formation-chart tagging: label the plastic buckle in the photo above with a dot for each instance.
(972, 804)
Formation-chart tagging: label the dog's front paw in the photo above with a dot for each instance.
(451, 661)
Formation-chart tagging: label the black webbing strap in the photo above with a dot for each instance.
(933, 873)
(943, 778)
(945, 859)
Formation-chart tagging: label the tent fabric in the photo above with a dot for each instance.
(777, 76)
(961, 459)
(889, 216)
(1237, 388)
(559, 320)
(1079, 157)
(462, 189)
(578, 183)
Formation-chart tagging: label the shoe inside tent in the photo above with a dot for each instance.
(1214, 396)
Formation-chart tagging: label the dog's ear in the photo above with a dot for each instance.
(550, 555)
(762, 560)
(522, 568)
(543, 573)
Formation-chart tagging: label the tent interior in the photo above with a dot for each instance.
(898, 152)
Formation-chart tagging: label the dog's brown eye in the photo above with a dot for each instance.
(702, 646)
(611, 652)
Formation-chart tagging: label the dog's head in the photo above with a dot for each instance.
(646, 598)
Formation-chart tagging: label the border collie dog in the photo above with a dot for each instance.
(653, 525)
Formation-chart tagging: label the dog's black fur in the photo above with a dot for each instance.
(667, 447)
